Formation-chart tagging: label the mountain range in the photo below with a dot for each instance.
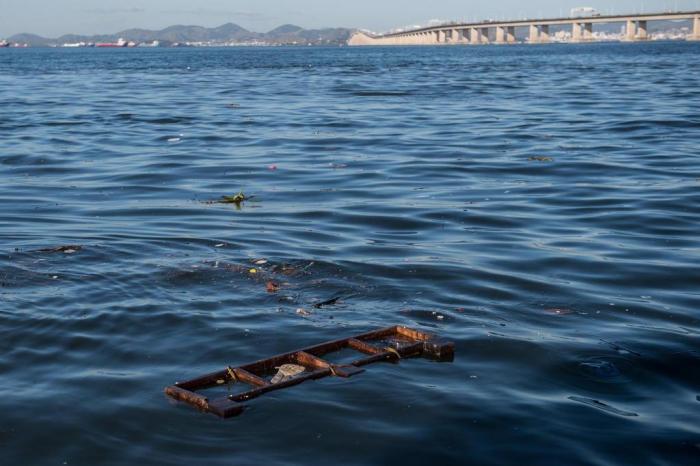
(227, 33)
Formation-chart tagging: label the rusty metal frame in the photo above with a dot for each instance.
(409, 343)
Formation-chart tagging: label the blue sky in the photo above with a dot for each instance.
(55, 17)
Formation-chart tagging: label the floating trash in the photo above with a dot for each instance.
(392, 344)
(329, 302)
(237, 199)
(70, 249)
(286, 372)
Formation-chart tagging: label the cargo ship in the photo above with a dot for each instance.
(119, 43)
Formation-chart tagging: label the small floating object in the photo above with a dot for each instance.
(286, 372)
(272, 287)
(237, 199)
(391, 344)
(70, 249)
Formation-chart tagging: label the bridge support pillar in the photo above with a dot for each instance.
(485, 36)
(588, 31)
(576, 33)
(642, 31)
(441, 36)
(510, 34)
(696, 29)
(474, 36)
(500, 35)
(534, 34)
(630, 30)
(544, 33)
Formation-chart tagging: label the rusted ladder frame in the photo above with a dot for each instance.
(424, 344)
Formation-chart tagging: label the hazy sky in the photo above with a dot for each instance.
(55, 17)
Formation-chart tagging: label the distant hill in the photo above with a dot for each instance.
(227, 33)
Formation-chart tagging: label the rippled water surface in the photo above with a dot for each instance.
(540, 206)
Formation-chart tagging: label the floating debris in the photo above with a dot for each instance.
(602, 406)
(328, 302)
(286, 372)
(392, 344)
(70, 249)
(539, 158)
(272, 287)
(303, 312)
(237, 199)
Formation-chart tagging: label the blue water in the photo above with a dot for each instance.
(537, 205)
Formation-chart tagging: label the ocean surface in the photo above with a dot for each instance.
(537, 205)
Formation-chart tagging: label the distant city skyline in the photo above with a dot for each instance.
(52, 18)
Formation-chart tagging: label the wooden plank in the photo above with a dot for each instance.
(309, 360)
(413, 334)
(188, 397)
(363, 347)
(252, 379)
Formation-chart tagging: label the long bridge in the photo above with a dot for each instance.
(503, 32)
